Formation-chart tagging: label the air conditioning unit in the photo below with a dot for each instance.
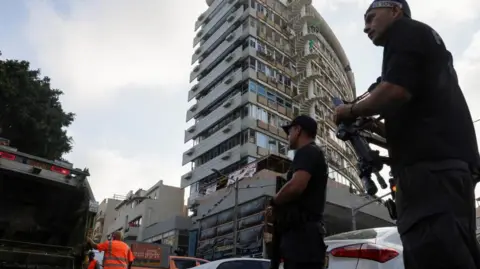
(194, 88)
(190, 152)
(231, 18)
(230, 37)
(198, 51)
(196, 68)
(227, 129)
(229, 80)
(228, 103)
(230, 57)
(226, 156)
(194, 107)
(191, 129)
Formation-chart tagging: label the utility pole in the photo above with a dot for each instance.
(235, 218)
(235, 211)
(356, 209)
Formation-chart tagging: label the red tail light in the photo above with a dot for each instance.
(60, 170)
(366, 251)
(8, 156)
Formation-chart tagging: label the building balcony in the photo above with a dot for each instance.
(227, 107)
(219, 163)
(227, 8)
(229, 27)
(205, 17)
(217, 92)
(131, 232)
(221, 135)
(226, 53)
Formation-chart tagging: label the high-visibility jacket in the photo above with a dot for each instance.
(93, 264)
(117, 254)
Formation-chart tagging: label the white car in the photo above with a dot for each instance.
(378, 248)
(236, 263)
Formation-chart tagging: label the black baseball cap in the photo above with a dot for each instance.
(402, 4)
(306, 122)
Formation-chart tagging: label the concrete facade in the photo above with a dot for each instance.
(339, 201)
(146, 207)
(212, 232)
(173, 232)
(258, 64)
(105, 217)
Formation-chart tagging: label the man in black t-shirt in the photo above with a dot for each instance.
(302, 244)
(430, 136)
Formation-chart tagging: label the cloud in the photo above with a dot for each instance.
(115, 172)
(124, 67)
(101, 46)
(441, 11)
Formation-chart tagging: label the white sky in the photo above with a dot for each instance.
(124, 68)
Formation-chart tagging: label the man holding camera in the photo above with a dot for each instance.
(301, 200)
(430, 136)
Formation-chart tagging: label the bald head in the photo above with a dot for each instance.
(118, 235)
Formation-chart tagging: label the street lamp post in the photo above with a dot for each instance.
(356, 209)
(235, 212)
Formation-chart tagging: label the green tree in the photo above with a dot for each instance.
(31, 114)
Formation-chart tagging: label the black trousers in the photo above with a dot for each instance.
(303, 247)
(436, 216)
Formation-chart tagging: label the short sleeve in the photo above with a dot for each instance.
(308, 159)
(103, 246)
(130, 255)
(403, 58)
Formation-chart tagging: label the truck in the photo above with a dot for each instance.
(157, 256)
(47, 209)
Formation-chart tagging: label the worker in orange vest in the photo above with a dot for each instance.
(92, 263)
(117, 254)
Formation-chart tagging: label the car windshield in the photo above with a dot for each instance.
(360, 234)
(185, 263)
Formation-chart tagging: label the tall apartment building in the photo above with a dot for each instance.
(258, 64)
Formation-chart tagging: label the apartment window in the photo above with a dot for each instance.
(282, 148)
(252, 3)
(271, 96)
(194, 188)
(272, 145)
(252, 42)
(262, 115)
(273, 120)
(252, 63)
(252, 86)
(262, 140)
(218, 150)
(261, 8)
(261, 67)
(136, 222)
(261, 90)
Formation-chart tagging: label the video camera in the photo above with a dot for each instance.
(369, 161)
